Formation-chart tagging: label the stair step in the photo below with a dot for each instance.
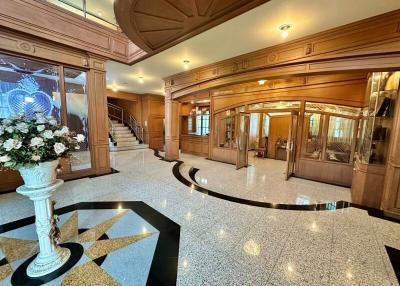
(116, 132)
(125, 139)
(124, 135)
(135, 147)
(121, 128)
(127, 144)
(114, 125)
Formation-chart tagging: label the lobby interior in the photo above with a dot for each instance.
(226, 142)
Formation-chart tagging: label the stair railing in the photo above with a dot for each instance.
(118, 113)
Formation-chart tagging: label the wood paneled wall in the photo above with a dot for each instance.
(153, 120)
(194, 144)
(372, 43)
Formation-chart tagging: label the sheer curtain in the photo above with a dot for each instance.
(254, 128)
(340, 130)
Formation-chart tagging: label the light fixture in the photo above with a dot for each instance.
(285, 30)
(186, 64)
(262, 81)
(141, 79)
(114, 89)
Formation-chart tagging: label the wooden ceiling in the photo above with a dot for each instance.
(159, 24)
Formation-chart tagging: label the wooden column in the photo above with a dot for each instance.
(98, 116)
(171, 127)
(391, 188)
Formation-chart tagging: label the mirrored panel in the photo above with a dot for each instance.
(275, 105)
(333, 109)
(77, 115)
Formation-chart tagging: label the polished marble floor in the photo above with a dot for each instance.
(263, 180)
(226, 243)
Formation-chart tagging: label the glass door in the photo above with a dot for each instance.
(291, 145)
(242, 139)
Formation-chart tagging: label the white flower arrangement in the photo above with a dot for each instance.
(27, 142)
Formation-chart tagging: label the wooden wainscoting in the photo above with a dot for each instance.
(225, 155)
(194, 144)
(323, 171)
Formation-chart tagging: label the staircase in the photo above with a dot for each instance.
(125, 131)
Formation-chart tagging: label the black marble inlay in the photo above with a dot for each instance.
(314, 207)
(20, 278)
(3, 261)
(192, 173)
(164, 267)
(394, 256)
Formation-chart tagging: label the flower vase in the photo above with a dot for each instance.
(40, 183)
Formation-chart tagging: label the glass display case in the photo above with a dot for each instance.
(226, 129)
(329, 132)
(377, 117)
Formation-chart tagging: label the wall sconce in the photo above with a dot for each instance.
(285, 30)
(262, 81)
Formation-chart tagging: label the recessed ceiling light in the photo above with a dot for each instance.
(186, 64)
(262, 81)
(141, 79)
(285, 30)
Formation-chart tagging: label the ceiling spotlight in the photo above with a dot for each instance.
(285, 30)
(186, 64)
(141, 79)
(262, 81)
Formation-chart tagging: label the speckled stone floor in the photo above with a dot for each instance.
(226, 243)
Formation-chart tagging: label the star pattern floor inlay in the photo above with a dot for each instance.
(105, 234)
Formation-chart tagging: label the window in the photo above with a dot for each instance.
(199, 121)
(340, 138)
(313, 140)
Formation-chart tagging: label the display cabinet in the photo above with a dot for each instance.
(377, 118)
(374, 137)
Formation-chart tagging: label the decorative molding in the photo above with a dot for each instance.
(363, 45)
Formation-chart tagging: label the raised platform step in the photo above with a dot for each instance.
(125, 139)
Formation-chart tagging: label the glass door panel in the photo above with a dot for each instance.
(291, 145)
(242, 139)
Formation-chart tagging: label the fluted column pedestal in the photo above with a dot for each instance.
(51, 257)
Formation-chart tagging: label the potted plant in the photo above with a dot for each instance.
(34, 146)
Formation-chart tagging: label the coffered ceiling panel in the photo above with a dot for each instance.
(159, 24)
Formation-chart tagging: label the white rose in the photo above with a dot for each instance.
(40, 128)
(48, 134)
(53, 122)
(9, 144)
(61, 132)
(10, 129)
(23, 127)
(79, 138)
(4, 158)
(77, 147)
(37, 141)
(1, 130)
(35, 157)
(17, 144)
(41, 120)
(59, 148)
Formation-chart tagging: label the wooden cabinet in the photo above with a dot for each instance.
(194, 144)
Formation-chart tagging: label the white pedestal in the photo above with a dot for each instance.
(51, 257)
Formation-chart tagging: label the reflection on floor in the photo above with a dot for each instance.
(225, 243)
(263, 180)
